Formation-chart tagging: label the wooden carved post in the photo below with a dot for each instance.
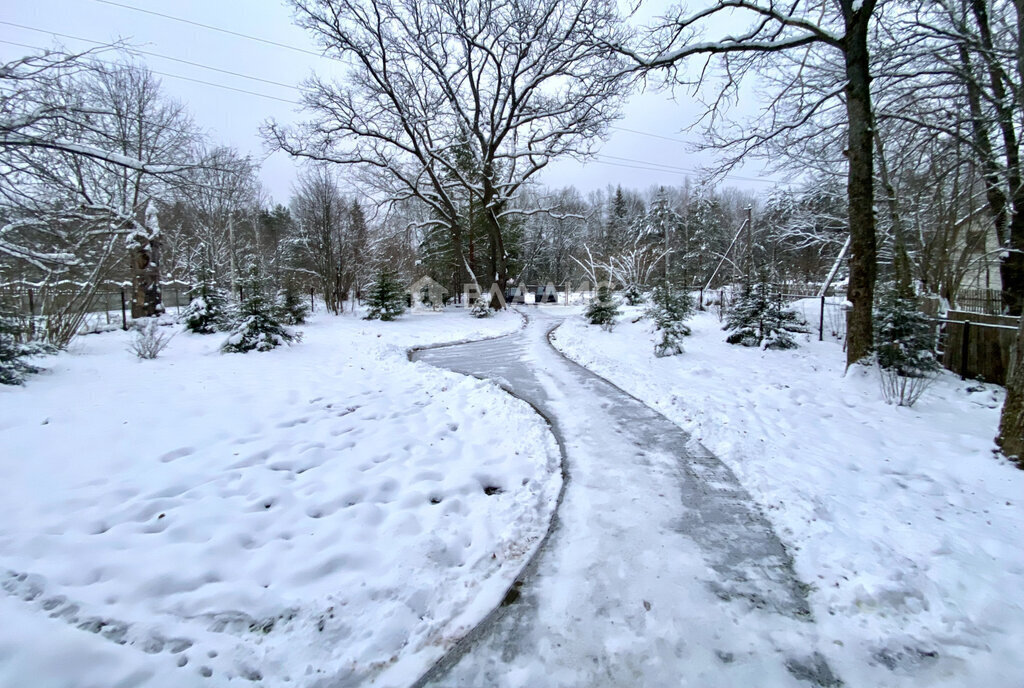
(144, 254)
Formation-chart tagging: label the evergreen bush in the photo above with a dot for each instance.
(15, 347)
(904, 346)
(289, 305)
(603, 310)
(480, 308)
(386, 300)
(668, 310)
(633, 295)
(758, 319)
(208, 310)
(258, 328)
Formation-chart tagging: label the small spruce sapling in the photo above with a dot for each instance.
(633, 295)
(209, 310)
(258, 329)
(15, 347)
(386, 299)
(758, 319)
(603, 310)
(480, 308)
(289, 306)
(668, 310)
(904, 345)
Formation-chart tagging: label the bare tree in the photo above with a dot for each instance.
(796, 33)
(86, 148)
(221, 193)
(455, 101)
(321, 242)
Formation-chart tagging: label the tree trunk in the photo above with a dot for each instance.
(1011, 421)
(860, 188)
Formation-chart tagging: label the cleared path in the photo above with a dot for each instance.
(659, 570)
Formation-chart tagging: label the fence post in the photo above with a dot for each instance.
(124, 314)
(821, 321)
(700, 302)
(31, 304)
(312, 306)
(965, 339)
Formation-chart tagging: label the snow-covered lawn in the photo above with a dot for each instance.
(902, 521)
(327, 511)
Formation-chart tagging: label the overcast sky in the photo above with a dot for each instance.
(650, 137)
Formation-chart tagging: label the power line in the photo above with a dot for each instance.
(653, 136)
(152, 54)
(683, 170)
(213, 28)
(622, 162)
(179, 76)
(658, 167)
(239, 34)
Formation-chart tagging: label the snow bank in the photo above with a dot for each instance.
(902, 521)
(327, 512)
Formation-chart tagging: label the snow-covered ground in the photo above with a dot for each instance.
(902, 521)
(324, 514)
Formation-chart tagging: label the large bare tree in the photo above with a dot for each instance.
(86, 147)
(784, 39)
(459, 103)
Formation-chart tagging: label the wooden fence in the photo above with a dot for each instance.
(978, 346)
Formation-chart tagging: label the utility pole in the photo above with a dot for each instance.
(750, 243)
(231, 252)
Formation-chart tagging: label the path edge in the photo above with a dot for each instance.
(462, 646)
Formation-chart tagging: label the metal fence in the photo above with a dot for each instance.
(110, 305)
(825, 315)
(987, 301)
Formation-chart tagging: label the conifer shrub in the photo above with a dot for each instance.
(633, 295)
(603, 310)
(668, 310)
(16, 345)
(904, 346)
(290, 306)
(386, 299)
(258, 328)
(208, 310)
(480, 308)
(759, 319)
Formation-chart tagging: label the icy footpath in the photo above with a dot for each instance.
(659, 570)
(906, 526)
(326, 514)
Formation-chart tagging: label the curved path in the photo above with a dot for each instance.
(659, 571)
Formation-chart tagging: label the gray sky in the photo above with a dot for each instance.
(233, 118)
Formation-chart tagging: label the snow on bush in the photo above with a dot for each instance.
(759, 319)
(904, 346)
(668, 310)
(480, 308)
(209, 310)
(149, 341)
(258, 329)
(603, 310)
(289, 306)
(386, 300)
